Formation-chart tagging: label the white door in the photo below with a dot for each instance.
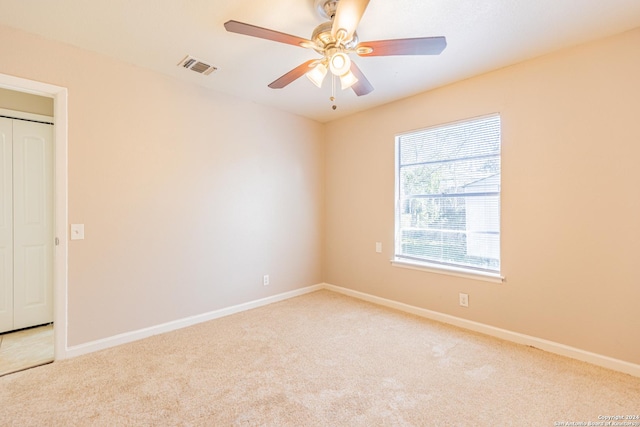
(32, 228)
(6, 225)
(32, 223)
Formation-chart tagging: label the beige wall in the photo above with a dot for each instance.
(570, 201)
(26, 102)
(188, 197)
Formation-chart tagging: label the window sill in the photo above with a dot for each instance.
(449, 271)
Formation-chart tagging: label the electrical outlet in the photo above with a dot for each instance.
(464, 300)
(265, 279)
(379, 247)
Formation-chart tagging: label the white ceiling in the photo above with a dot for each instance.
(482, 35)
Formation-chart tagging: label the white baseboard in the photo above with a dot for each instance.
(550, 346)
(128, 337)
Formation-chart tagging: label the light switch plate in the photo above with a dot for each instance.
(77, 231)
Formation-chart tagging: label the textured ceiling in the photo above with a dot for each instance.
(481, 35)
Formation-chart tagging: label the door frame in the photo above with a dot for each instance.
(60, 201)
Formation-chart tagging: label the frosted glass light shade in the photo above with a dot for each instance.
(340, 64)
(347, 80)
(317, 74)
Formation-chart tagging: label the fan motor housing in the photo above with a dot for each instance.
(323, 38)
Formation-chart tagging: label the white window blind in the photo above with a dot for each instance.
(448, 195)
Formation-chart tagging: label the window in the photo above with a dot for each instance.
(448, 196)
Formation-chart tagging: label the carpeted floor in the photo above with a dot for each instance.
(322, 359)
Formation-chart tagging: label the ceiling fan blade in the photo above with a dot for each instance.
(362, 86)
(292, 75)
(348, 15)
(264, 33)
(417, 46)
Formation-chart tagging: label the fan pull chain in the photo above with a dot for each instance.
(333, 91)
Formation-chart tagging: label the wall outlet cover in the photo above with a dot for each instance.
(464, 300)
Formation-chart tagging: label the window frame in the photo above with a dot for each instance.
(433, 266)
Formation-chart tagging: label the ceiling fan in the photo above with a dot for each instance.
(335, 40)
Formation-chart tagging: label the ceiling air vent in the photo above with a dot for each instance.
(196, 65)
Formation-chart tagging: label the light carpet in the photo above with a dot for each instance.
(322, 359)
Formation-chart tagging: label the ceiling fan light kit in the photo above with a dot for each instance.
(339, 63)
(347, 80)
(317, 74)
(335, 40)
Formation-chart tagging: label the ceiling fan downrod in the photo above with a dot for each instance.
(326, 9)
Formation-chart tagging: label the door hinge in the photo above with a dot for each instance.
(57, 241)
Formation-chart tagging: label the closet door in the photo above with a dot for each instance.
(32, 223)
(6, 225)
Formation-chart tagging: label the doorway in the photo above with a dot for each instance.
(26, 233)
(60, 207)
